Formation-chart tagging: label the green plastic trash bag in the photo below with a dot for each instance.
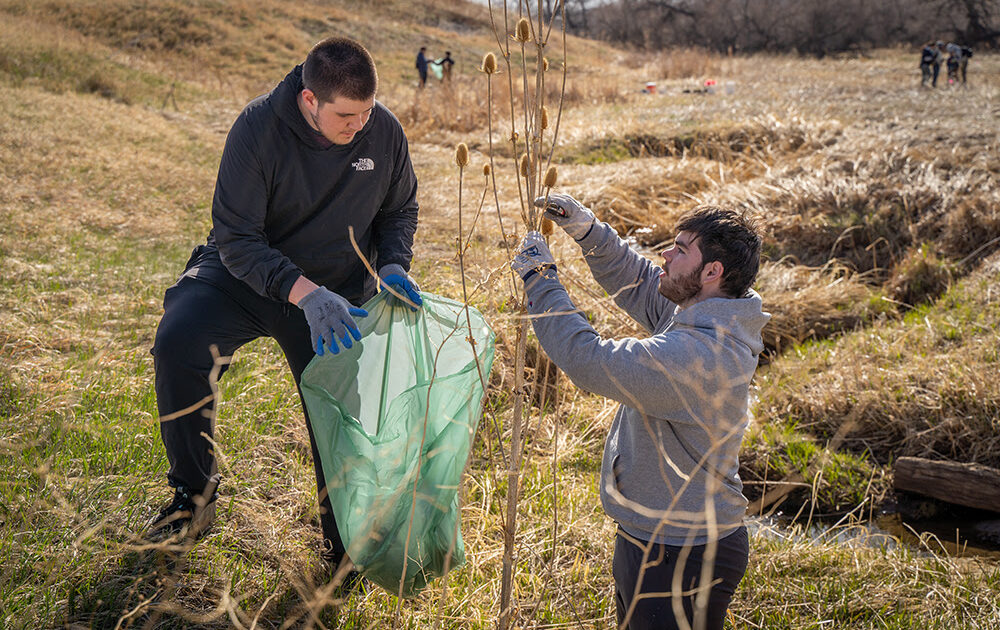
(436, 69)
(393, 418)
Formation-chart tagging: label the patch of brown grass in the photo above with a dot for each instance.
(922, 276)
(439, 108)
(924, 386)
(807, 303)
(869, 213)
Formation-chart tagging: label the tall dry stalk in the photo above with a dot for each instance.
(528, 173)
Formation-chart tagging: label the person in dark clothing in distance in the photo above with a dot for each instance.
(301, 165)
(446, 63)
(958, 62)
(421, 65)
(930, 64)
(963, 63)
(938, 60)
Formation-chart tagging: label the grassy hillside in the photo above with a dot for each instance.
(880, 204)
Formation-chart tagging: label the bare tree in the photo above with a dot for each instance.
(981, 24)
(808, 26)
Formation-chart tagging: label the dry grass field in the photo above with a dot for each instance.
(881, 207)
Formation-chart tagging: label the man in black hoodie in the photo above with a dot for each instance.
(301, 165)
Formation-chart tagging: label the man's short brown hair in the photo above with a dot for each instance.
(730, 237)
(339, 66)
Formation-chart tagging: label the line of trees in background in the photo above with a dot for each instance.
(816, 27)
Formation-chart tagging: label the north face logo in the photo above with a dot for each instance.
(364, 164)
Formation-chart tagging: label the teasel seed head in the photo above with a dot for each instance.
(525, 165)
(490, 63)
(551, 176)
(487, 169)
(462, 155)
(547, 227)
(523, 30)
(545, 117)
(545, 64)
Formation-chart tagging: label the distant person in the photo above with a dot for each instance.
(930, 64)
(301, 165)
(951, 63)
(958, 62)
(963, 65)
(938, 60)
(670, 472)
(422, 65)
(445, 63)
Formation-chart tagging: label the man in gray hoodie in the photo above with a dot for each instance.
(669, 476)
(303, 165)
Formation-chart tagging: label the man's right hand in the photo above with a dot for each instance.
(568, 213)
(330, 318)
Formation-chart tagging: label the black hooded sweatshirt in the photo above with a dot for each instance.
(285, 197)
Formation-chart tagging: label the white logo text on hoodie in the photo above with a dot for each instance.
(364, 164)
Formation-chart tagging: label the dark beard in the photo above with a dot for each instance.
(682, 289)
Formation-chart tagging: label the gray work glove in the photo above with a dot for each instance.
(533, 256)
(396, 277)
(330, 318)
(573, 217)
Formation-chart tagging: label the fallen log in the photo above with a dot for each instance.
(970, 485)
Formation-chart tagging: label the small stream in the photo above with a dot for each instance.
(955, 536)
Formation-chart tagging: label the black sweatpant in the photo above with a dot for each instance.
(207, 307)
(654, 602)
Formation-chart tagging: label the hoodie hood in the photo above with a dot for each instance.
(284, 102)
(742, 319)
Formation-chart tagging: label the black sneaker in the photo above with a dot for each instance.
(188, 515)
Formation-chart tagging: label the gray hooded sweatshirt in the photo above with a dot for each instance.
(671, 459)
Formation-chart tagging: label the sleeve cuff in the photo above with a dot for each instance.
(548, 271)
(285, 286)
(589, 230)
(594, 235)
(538, 278)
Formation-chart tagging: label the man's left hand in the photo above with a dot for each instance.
(393, 275)
(533, 256)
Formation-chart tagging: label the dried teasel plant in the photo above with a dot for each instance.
(523, 30)
(462, 157)
(489, 63)
(551, 176)
(532, 143)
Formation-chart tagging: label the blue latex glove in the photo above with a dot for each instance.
(395, 276)
(533, 256)
(330, 318)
